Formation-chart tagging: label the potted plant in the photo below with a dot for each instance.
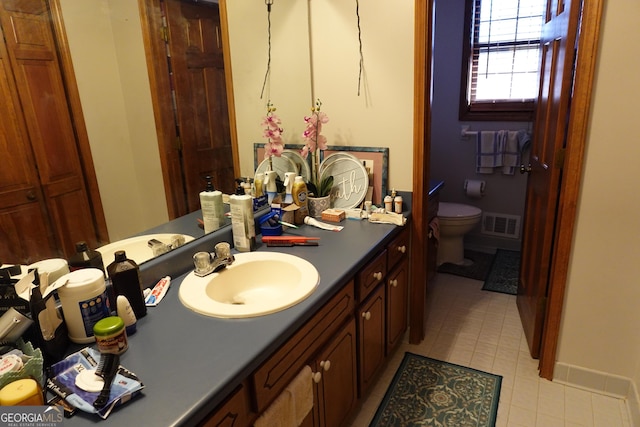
(319, 187)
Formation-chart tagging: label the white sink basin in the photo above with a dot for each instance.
(137, 248)
(257, 283)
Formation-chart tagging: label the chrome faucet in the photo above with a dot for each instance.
(207, 263)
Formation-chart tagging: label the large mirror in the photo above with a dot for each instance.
(107, 45)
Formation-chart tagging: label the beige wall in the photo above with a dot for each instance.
(382, 116)
(108, 58)
(601, 319)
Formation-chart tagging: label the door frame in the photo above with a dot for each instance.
(577, 133)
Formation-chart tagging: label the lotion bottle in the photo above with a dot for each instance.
(242, 223)
(212, 207)
(299, 193)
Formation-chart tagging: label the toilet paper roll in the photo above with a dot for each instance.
(474, 188)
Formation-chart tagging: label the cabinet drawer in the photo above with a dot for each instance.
(279, 370)
(233, 412)
(399, 248)
(372, 275)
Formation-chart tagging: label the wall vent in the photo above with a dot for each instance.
(503, 225)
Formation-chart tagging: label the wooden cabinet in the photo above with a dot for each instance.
(397, 299)
(271, 378)
(335, 375)
(346, 343)
(371, 338)
(233, 412)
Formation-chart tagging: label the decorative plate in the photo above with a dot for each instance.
(302, 165)
(350, 180)
(280, 166)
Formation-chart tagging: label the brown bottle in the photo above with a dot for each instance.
(85, 258)
(125, 279)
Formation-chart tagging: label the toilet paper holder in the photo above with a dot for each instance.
(474, 188)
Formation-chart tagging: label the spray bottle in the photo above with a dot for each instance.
(289, 177)
(270, 183)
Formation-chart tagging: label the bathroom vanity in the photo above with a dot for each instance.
(213, 371)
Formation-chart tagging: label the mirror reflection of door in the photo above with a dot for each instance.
(187, 64)
(48, 193)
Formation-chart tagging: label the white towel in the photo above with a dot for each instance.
(511, 153)
(292, 405)
(279, 414)
(515, 143)
(489, 147)
(301, 390)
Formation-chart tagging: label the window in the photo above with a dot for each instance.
(501, 59)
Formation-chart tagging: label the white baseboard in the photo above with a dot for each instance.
(601, 382)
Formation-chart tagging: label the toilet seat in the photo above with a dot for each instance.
(457, 210)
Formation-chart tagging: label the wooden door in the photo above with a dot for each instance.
(45, 205)
(545, 172)
(195, 42)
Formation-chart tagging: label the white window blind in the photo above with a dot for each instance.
(505, 50)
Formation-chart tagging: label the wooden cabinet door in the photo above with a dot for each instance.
(371, 337)
(234, 412)
(337, 391)
(46, 207)
(397, 304)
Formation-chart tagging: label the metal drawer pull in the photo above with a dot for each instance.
(378, 275)
(325, 364)
(317, 377)
(402, 249)
(394, 283)
(366, 315)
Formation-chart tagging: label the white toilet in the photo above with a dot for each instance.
(455, 220)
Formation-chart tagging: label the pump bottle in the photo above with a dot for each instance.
(85, 258)
(212, 207)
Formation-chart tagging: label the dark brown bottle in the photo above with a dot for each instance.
(125, 279)
(85, 258)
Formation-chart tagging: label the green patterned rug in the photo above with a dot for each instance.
(504, 273)
(428, 392)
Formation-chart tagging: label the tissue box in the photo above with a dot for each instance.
(333, 215)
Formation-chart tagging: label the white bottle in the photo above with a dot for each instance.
(242, 222)
(212, 207)
(289, 177)
(270, 183)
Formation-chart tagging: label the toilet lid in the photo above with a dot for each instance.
(457, 210)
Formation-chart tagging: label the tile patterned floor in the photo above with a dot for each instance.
(482, 330)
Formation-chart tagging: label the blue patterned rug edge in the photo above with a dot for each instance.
(398, 374)
(496, 280)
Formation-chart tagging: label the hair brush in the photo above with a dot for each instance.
(107, 369)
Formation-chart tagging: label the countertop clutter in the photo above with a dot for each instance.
(189, 362)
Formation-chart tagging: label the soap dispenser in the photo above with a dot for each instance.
(272, 187)
(212, 207)
(289, 177)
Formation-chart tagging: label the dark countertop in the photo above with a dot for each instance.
(189, 362)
